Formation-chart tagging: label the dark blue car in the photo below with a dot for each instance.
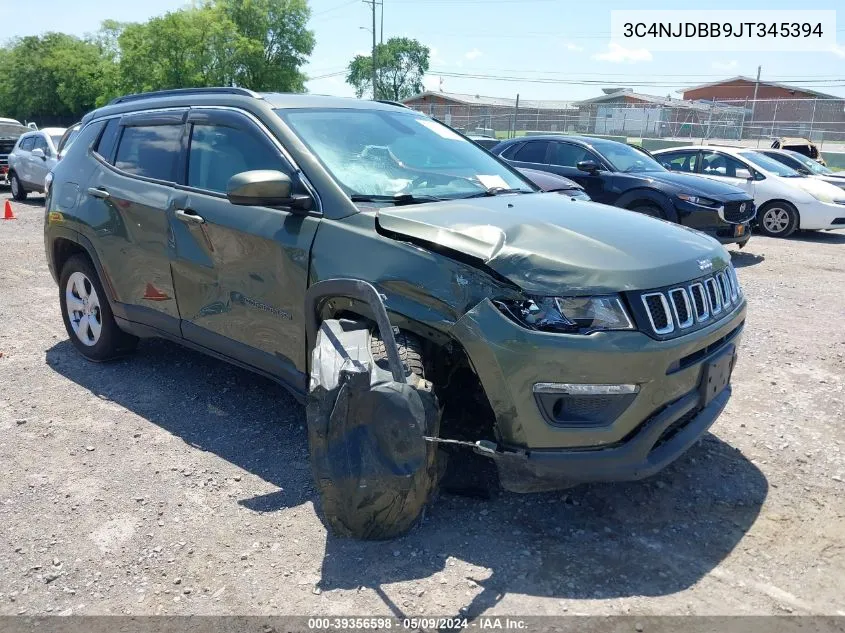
(623, 176)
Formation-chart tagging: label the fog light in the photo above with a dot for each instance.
(583, 406)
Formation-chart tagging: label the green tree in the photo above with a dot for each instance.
(52, 78)
(273, 42)
(401, 63)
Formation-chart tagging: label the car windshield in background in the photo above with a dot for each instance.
(812, 166)
(770, 164)
(626, 158)
(56, 139)
(377, 153)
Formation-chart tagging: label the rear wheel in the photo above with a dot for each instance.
(778, 219)
(87, 315)
(18, 192)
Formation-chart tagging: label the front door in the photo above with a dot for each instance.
(241, 271)
(563, 160)
(727, 169)
(39, 166)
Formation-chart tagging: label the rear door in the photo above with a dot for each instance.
(532, 154)
(21, 156)
(725, 168)
(241, 271)
(132, 197)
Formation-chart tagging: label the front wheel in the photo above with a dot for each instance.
(778, 219)
(87, 315)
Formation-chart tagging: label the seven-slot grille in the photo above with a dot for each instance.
(738, 212)
(696, 303)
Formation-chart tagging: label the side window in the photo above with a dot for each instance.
(41, 143)
(510, 150)
(532, 152)
(108, 140)
(218, 152)
(680, 161)
(723, 165)
(569, 155)
(27, 143)
(151, 151)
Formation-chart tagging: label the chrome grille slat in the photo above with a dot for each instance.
(694, 304)
(682, 307)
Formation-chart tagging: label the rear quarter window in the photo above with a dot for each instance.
(150, 151)
(108, 140)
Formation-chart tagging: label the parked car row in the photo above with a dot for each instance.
(786, 199)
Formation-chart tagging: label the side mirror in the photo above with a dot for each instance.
(39, 153)
(589, 166)
(265, 187)
(667, 166)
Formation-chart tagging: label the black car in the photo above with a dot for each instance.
(624, 176)
(552, 183)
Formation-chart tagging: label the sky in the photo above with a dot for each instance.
(518, 40)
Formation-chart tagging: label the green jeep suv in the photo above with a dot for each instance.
(565, 340)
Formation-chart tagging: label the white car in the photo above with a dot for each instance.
(34, 157)
(785, 199)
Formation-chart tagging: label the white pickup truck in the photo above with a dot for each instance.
(10, 131)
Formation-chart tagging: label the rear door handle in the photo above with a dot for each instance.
(189, 215)
(98, 193)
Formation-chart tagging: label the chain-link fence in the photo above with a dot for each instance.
(746, 120)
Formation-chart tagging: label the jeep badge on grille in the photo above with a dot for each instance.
(705, 264)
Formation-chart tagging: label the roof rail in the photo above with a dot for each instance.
(177, 92)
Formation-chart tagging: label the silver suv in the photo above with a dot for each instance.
(34, 156)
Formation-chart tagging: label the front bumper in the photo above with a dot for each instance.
(510, 360)
(730, 234)
(713, 222)
(821, 215)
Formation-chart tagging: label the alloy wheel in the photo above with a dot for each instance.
(83, 309)
(776, 220)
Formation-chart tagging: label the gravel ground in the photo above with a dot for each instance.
(171, 483)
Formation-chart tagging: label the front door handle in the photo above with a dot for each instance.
(98, 193)
(189, 215)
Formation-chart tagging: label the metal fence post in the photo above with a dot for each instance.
(775, 116)
(813, 119)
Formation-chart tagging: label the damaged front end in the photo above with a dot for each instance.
(367, 425)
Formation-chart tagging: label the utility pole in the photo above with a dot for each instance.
(754, 99)
(373, 4)
(381, 30)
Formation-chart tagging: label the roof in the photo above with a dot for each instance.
(225, 96)
(501, 102)
(702, 106)
(743, 78)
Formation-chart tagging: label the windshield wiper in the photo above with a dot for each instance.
(493, 191)
(398, 199)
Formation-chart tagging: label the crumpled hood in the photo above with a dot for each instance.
(548, 244)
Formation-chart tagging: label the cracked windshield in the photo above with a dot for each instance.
(378, 154)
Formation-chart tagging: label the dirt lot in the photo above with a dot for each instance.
(172, 483)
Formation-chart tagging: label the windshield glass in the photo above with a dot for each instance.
(770, 164)
(56, 138)
(383, 153)
(69, 137)
(626, 158)
(811, 165)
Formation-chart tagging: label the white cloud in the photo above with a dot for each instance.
(431, 82)
(838, 50)
(574, 47)
(618, 54)
(473, 54)
(724, 65)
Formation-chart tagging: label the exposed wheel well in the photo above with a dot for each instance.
(467, 412)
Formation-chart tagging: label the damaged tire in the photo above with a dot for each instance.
(372, 465)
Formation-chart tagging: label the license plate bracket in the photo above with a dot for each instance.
(739, 230)
(716, 375)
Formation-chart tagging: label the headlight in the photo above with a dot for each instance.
(827, 196)
(573, 315)
(704, 202)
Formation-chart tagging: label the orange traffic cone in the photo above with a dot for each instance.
(7, 211)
